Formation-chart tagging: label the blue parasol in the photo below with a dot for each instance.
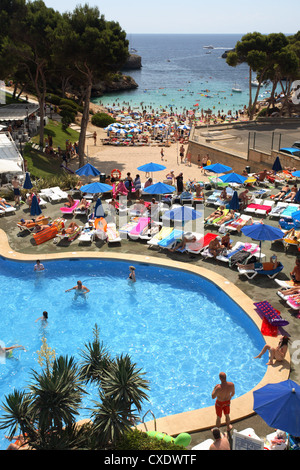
(27, 183)
(296, 174)
(95, 188)
(218, 168)
(35, 208)
(151, 167)
(159, 188)
(182, 214)
(88, 170)
(262, 232)
(279, 406)
(233, 178)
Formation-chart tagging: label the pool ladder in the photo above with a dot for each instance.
(154, 419)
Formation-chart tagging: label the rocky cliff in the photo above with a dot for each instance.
(134, 62)
(122, 82)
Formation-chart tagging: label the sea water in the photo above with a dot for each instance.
(179, 73)
(180, 329)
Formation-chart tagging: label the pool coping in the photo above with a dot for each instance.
(195, 420)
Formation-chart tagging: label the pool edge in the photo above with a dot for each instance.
(195, 420)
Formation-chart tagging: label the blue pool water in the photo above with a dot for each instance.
(178, 327)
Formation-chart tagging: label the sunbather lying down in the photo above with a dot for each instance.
(188, 238)
(217, 213)
(268, 266)
(226, 218)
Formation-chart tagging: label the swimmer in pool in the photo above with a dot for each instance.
(132, 274)
(80, 289)
(7, 351)
(44, 318)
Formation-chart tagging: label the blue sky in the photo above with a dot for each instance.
(195, 16)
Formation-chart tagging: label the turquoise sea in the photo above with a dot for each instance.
(179, 73)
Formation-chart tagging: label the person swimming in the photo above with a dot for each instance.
(132, 274)
(80, 289)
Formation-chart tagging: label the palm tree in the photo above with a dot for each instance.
(57, 395)
(124, 383)
(96, 359)
(18, 417)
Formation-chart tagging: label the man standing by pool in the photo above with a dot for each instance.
(223, 393)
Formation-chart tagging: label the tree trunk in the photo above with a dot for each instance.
(84, 123)
(250, 91)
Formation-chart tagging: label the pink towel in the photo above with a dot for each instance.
(260, 206)
(69, 210)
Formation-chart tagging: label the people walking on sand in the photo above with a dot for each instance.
(223, 394)
(162, 154)
(181, 153)
(95, 137)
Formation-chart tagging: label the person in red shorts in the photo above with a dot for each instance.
(223, 393)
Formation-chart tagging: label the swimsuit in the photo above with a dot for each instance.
(222, 406)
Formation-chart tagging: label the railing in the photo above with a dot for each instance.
(154, 419)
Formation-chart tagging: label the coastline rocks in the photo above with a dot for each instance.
(120, 83)
(224, 56)
(134, 62)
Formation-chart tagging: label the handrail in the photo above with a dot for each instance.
(154, 419)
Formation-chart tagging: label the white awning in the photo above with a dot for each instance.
(10, 166)
(17, 112)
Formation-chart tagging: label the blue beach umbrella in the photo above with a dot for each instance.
(151, 167)
(233, 178)
(182, 214)
(279, 406)
(35, 208)
(95, 188)
(27, 183)
(277, 165)
(159, 188)
(234, 204)
(88, 170)
(218, 168)
(262, 232)
(296, 174)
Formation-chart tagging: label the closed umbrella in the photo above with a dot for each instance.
(262, 232)
(99, 211)
(277, 165)
(234, 204)
(88, 170)
(27, 182)
(279, 406)
(95, 188)
(35, 208)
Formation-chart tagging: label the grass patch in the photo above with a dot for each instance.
(59, 136)
(41, 165)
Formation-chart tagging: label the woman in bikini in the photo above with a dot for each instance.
(278, 353)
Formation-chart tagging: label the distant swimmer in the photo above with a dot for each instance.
(38, 266)
(132, 274)
(80, 289)
(7, 352)
(44, 318)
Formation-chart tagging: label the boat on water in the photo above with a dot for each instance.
(132, 50)
(236, 89)
(208, 47)
(255, 83)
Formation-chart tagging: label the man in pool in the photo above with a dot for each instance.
(223, 393)
(80, 289)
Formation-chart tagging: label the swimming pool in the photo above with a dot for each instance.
(180, 328)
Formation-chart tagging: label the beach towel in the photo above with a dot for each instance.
(260, 207)
(69, 210)
(171, 238)
(143, 222)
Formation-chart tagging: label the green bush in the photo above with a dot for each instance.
(138, 440)
(102, 120)
(53, 99)
(68, 109)
(70, 103)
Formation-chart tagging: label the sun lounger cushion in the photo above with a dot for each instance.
(171, 238)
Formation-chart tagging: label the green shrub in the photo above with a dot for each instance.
(102, 120)
(70, 103)
(68, 109)
(138, 440)
(53, 99)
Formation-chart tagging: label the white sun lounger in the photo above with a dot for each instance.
(251, 210)
(87, 235)
(278, 209)
(113, 235)
(164, 232)
(50, 195)
(243, 220)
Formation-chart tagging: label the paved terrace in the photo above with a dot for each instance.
(19, 246)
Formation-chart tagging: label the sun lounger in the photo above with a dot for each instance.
(30, 226)
(239, 223)
(291, 238)
(213, 198)
(278, 209)
(216, 219)
(52, 195)
(170, 239)
(87, 235)
(62, 194)
(113, 235)
(70, 233)
(205, 445)
(49, 232)
(260, 193)
(126, 228)
(253, 205)
(251, 273)
(8, 209)
(85, 211)
(136, 231)
(150, 231)
(69, 210)
(164, 232)
(289, 210)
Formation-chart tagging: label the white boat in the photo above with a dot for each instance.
(208, 47)
(236, 89)
(254, 83)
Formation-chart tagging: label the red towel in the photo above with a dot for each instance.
(261, 207)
